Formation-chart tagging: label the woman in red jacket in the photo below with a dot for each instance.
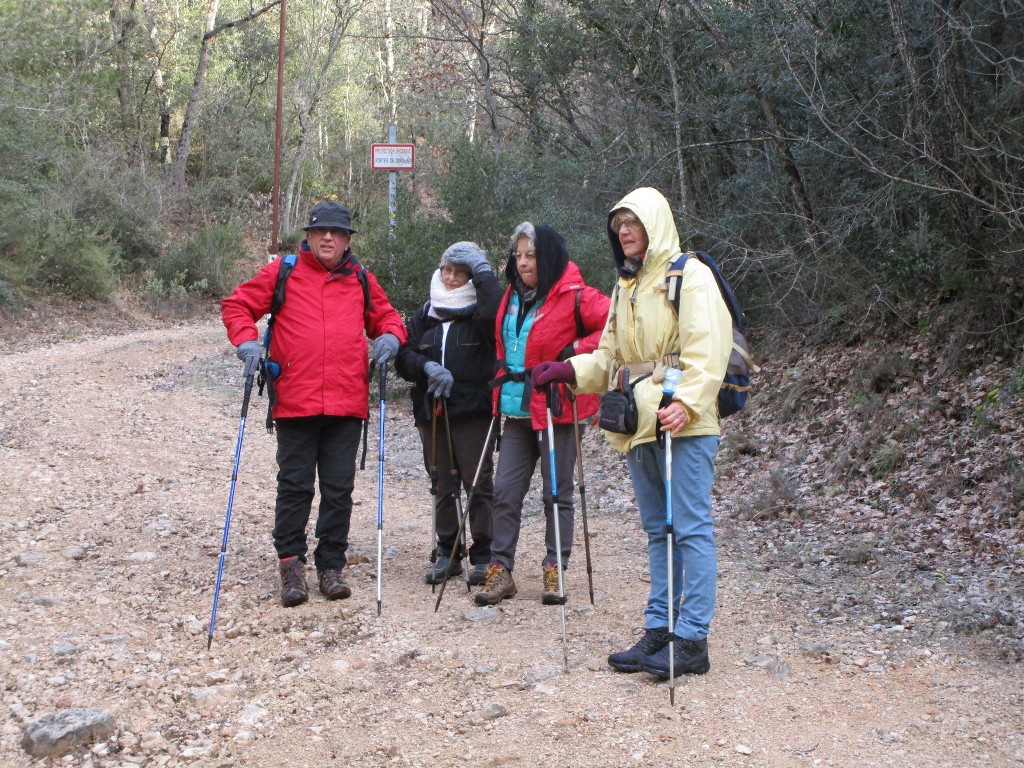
(547, 313)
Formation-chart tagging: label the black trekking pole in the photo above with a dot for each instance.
(249, 376)
(583, 491)
(469, 500)
(380, 481)
(460, 512)
(433, 484)
(552, 394)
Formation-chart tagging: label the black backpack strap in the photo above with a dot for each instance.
(284, 269)
(674, 279)
(364, 283)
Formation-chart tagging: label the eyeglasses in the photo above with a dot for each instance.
(333, 231)
(457, 273)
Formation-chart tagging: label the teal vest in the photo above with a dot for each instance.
(513, 393)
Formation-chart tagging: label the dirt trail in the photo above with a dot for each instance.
(116, 455)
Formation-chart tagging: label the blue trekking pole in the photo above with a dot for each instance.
(552, 393)
(668, 388)
(380, 483)
(249, 376)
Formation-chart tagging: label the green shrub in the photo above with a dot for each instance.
(126, 221)
(9, 299)
(81, 271)
(206, 263)
(171, 297)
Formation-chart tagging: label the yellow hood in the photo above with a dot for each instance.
(651, 207)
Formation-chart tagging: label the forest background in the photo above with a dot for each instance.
(855, 167)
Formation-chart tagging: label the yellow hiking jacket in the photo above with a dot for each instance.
(642, 326)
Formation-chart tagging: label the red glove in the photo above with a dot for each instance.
(552, 372)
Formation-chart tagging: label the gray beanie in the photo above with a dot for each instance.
(461, 253)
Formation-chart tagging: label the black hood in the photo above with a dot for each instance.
(552, 259)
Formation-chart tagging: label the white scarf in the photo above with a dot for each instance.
(445, 304)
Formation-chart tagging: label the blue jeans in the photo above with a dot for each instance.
(694, 566)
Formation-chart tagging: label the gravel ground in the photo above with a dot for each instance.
(116, 453)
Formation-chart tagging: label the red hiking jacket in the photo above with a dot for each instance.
(554, 328)
(319, 336)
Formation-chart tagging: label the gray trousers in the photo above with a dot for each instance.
(517, 459)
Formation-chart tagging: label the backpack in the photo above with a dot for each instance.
(732, 397)
(269, 369)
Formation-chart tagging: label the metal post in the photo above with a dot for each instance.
(392, 207)
(275, 195)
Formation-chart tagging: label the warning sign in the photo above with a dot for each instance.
(392, 157)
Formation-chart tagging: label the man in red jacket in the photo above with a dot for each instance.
(319, 341)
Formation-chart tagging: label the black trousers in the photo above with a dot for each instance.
(308, 447)
(467, 445)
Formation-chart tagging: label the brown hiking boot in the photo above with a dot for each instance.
(550, 595)
(497, 587)
(331, 584)
(293, 582)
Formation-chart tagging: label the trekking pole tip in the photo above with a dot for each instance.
(209, 642)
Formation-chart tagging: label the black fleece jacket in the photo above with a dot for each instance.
(469, 354)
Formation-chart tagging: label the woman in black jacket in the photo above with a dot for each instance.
(450, 355)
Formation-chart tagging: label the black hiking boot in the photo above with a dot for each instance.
(653, 640)
(443, 569)
(293, 581)
(477, 575)
(690, 658)
(331, 584)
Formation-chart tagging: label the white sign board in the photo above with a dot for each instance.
(392, 157)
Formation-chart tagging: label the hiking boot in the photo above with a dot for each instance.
(331, 585)
(497, 587)
(653, 640)
(443, 569)
(690, 658)
(477, 574)
(293, 581)
(550, 595)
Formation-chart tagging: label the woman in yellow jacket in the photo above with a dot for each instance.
(645, 335)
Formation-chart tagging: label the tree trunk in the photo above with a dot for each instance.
(475, 32)
(164, 101)
(780, 137)
(685, 201)
(308, 118)
(192, 108)
(122, 25)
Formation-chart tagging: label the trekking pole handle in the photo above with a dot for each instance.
(551, 395)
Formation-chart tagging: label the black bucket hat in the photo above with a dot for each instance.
(329, 213)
